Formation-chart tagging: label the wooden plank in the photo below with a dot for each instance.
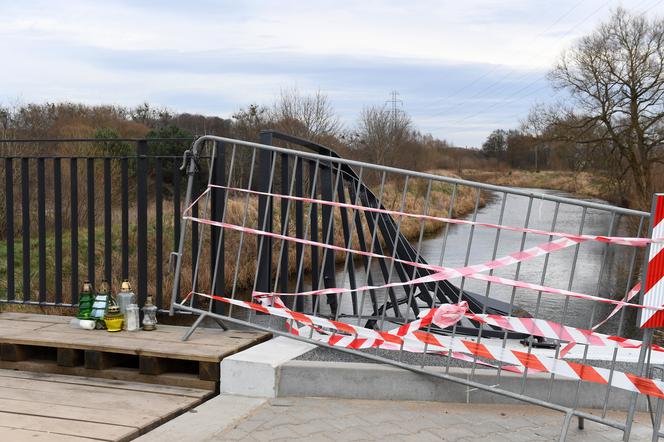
(33, 317)
(97, 399)
(120, 344)
(107, 383)
(20, 435)
(67, 427)
(117, 373)
(164, 333)
(128, 418)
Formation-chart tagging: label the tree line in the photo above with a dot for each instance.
(610, 120)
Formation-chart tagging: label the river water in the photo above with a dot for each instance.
(588, 276)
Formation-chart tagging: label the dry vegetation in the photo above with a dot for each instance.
(581, 184)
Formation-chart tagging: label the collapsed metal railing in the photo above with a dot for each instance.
(383, 299)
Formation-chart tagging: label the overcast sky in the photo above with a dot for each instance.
(462, 68)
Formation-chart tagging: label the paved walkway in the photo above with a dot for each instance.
(317, 419)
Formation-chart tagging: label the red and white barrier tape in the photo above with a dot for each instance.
(440, 273)
(553, 330)
(635, 242)
(420, 341)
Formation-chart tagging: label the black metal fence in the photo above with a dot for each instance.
(84, 209)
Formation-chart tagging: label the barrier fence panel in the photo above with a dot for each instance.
(515, 292)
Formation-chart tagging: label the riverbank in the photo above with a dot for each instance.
(581, 184)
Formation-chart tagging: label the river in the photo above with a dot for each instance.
(588, 275)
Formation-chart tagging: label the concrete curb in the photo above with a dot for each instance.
(269, 370)
(255, 372)
(351, 380)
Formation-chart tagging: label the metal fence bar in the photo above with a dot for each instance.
(299, 282)
(244, 224)
(285, 207)
(91, 219)
(487, 293)
(326, 277)
(108, 223)
(124, 176)
(158, 232)
(569, 287)
(9, 206)
(264, 221)
(41, 217)
(471, 235)
(539, 293)
(621, 318)
(348, 230)
(57, 219)
(298, 167)
(313, 224)
(177, 212)
(142, 220)
(73, 228)
(25, 214)
(219, 207)
(371, 219)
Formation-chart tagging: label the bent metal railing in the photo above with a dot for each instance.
(301, 246)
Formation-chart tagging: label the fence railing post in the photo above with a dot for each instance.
(217, 249)
(142, 219)
(264, 216)
(9, 206)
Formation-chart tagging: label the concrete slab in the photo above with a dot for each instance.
(207, 421)
(254, 372)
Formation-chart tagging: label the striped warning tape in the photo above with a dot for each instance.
(553, 330)
(636, 242)
(439, 273)
(421, 341)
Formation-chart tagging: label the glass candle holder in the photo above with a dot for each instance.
(132, 322)
(149, 315)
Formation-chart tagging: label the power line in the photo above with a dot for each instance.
(497, 82)
(495, 67)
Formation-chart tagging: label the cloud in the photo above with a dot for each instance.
(456, 64)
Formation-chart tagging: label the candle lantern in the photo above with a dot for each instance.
(85, 301)
(131, 322)
(124, 298)
(149, 315)
(113, 319)
(102, 301)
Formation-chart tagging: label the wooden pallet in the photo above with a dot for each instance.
(44, 343)
(37, 406)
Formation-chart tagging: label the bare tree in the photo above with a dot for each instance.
(616, 78)
(310, 116)
(382, 133)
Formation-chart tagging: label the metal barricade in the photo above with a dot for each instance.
(422, 271)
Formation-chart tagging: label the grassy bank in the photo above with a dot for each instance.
(581, 184)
